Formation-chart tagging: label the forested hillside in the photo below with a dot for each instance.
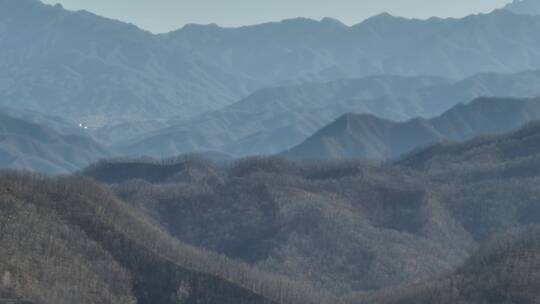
(343, 226)
(69, 240)
(506, 270)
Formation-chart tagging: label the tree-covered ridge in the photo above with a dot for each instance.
(505, 270)
(69, 240)
(343, 226)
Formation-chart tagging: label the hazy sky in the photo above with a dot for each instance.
(166, 15)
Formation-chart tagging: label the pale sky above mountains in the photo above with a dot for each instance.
(167, 15)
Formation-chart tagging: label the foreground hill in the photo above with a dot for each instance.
(276, 119)
(343, 226)
(69, 240)
(369, 137)
(51, 147)
(506, 270)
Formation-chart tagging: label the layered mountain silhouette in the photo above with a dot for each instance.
(450, 214)
(368, 137)
(50, 147)
(102, 72)
(276, 119)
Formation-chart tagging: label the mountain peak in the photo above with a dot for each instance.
(333, 21)
(382, 16)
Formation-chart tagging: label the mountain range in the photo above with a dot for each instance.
(368, 137)
(97, 71)
(169, 94)
(104, 73)
(395, 161)
(276, 119)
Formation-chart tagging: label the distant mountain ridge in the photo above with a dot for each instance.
(120, 74)
(303, 50)
(369, 137)
(276, 119)
(98, 71)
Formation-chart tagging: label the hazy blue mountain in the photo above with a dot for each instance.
(90, 69)
(369, 137)
(528, 7)
(303, 50)
(107, 73)
(273, 119)
(276, 119)
(30, 146)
